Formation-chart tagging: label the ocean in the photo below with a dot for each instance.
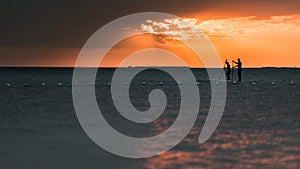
(260, 127)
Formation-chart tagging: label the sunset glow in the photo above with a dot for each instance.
(220, 29)
(131, 45)
(259, 42)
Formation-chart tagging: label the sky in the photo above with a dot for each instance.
(51, 33)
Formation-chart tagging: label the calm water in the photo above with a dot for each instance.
(260, 127)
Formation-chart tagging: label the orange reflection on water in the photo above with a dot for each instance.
(231, 150)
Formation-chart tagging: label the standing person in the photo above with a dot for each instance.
(239, 66)
(228, 69)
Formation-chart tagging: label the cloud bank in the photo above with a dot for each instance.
(215, 29)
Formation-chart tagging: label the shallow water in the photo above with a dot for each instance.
(260, 127)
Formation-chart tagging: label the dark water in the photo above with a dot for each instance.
(260, 127)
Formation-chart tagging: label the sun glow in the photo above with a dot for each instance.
(259, 42)
(147, 41)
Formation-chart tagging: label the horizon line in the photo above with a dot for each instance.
(275, 67)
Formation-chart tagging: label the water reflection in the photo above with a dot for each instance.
(234, 145)
(231, 150)
(259, 129)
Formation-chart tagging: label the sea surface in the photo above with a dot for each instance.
(260, 127)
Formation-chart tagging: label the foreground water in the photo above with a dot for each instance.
(260, 127)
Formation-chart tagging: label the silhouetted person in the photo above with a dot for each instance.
(228, 69)
(239, 66)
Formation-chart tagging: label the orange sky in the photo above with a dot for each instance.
(147, 41)
(259, 42)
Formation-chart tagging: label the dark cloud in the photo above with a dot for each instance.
(37, 22)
